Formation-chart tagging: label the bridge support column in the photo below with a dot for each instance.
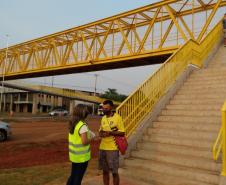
(25, 108)
(52, 101)
(17, 107)
(4, 102)
(59, 101)
(41, 109)
(45, 97)
(72, 105)
(11, 103)
(34, 104)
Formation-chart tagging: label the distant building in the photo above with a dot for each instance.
(33, 102)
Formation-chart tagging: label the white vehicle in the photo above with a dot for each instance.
(100, 110)
(58, 112)
(5, 131)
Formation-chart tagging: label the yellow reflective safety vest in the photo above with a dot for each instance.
(78, 153)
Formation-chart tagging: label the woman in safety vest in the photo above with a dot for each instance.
(79, 144)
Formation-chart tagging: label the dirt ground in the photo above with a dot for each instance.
(37, 153)
(40, 142)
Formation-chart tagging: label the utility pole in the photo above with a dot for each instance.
(3, 70)
(95, 90)
(52, 80)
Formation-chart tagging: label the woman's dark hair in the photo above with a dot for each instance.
(80, 113)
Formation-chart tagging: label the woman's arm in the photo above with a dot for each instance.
(85, 140)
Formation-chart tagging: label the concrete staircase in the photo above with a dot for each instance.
(176, 149)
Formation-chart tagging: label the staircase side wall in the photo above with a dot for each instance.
(211, 54)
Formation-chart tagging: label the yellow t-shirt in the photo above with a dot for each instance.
(108, 143)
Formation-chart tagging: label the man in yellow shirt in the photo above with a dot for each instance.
(111, 125)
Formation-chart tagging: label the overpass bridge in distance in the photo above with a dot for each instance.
(66, 93)
(143, 36)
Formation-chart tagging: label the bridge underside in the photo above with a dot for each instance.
(96, 66)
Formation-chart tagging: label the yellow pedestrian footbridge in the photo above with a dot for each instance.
(143, 36)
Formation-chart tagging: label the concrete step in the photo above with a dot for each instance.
(194, 119)
(202, 76)
(190, 113)
(216, 102)
(217, 65)
(209, 72)
(205, 79)
(199, 96)
(202, 73)
(202, 91)
(188, 142)
(155, 178)
(201, 176)
(206, 82)
(222, 69)
(194, 107)
(178, 159)
(188, 125)
(183, 133)
(203, 87)
(168, 148)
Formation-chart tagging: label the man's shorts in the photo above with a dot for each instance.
(109, 160)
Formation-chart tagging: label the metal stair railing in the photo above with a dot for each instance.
(141, 102)
(220, 143)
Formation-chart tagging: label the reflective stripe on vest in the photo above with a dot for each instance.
(78, 153)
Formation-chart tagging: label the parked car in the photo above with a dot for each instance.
(58, 112)
(5, 131)
(100, 110)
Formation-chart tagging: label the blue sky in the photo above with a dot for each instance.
(29, 19)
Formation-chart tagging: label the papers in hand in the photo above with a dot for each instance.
(92, 134)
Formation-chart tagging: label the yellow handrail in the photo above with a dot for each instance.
(220, 143)
(217, 147)
(142, 100)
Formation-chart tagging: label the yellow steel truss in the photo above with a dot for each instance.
(153, 30)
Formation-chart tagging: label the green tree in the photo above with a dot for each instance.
(112, 94)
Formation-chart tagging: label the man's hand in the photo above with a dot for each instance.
(117, 133)
(104, 133)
